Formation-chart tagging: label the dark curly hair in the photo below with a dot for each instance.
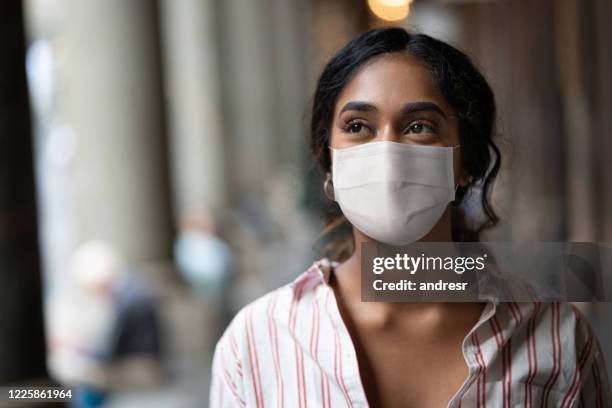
(464, 88)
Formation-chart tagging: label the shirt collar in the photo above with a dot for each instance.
(323, 268)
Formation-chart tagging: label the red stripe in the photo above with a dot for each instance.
(273, 334)
(254, 360)
(305, 392)
(338, 368)
(478, 385)
(550, 380)
(595, 369)
(317, 358)
(556, 353)
(338, 356)
(518, 311)
(508, 348)
(328, 392)
(314, 348)
(295, 345)
(530, 372)
(580, 363)
(325, 394)
(481, 363)
(494, 323)
(233, 344)
(228, 379)
(533, 345)
(313, 329)
(277, 349)
(234, 348)
(301, 351)
(297, 349)
(514, 313)
(318, 315)
(475, 375)
(532, 353)
(576, 370)
(232, 387)
(506, 362)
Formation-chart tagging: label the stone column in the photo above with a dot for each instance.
(580, 137)
(111, 97)
(192, 88)
(533, 123)
(22, 354)
(248, 81)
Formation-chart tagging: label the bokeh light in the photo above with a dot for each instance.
(390, 10)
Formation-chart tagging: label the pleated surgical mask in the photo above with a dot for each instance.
(394, 193)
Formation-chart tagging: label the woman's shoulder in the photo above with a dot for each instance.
(555, 334)
(548, 349)
(278, 307)
(562, 318)
(256, 342)
(554, 322)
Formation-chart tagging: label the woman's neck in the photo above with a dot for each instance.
(347, 282)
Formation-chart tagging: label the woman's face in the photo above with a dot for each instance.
(394, 98)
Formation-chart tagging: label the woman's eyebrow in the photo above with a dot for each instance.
(408, 108)
(358, 106)
(412, 107)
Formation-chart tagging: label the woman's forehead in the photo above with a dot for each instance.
(392, 80)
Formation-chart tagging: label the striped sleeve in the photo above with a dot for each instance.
(591, 383)
(227, 386)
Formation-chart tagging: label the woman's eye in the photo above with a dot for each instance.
(420, 127)
(354, 127)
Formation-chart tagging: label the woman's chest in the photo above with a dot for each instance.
(405, 372)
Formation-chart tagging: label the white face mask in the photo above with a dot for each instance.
(393, 192)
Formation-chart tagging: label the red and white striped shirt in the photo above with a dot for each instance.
(291, 348)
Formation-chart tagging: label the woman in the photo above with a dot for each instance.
(391, 99)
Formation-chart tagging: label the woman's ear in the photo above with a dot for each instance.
(464, 179)
(328, 187)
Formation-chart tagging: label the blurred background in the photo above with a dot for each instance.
(155, 174)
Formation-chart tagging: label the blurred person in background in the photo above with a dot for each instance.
(205, 261)
(203, 258)
(103, 327)
(394, 108)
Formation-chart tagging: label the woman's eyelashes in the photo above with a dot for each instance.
(415, 127)
(356, 126)
(421, 127)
